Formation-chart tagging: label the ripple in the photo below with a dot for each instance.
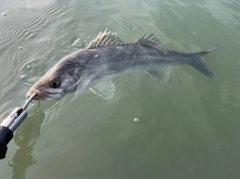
(229, 19)
(53, 10)
(30, 23)
(36, 19)
(26, 28)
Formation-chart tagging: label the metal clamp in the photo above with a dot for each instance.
(10, 124)
(17, 116)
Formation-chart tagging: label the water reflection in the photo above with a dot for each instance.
(229, 19)
(25, 139)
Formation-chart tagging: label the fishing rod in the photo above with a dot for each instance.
(9, 125)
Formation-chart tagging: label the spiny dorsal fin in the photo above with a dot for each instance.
(152, 41)
(105, 39)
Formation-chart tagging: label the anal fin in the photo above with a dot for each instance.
(162, 73)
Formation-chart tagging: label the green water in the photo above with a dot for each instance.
(188, 128)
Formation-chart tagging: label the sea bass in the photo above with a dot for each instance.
(106, 57)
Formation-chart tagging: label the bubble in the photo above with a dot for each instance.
(23, 76)
(29, 66)
(20, 48)
(4, 14)
(136, 120)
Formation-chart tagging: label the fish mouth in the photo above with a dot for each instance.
(41, 95)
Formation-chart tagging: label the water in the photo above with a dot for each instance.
(187, 127)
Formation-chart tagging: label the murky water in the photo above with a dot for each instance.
(186, 128)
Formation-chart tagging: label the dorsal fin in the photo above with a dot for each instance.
(152, 41)
(105, 39)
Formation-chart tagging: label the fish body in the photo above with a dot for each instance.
(106, 57)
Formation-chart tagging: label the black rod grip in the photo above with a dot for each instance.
(6, 136)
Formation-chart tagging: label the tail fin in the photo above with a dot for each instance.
(198, 63)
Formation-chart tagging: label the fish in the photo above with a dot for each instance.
(108, 56)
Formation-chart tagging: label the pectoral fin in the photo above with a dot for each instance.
(105, 89)
(162, 73)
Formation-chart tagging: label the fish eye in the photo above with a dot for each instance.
(55, 83)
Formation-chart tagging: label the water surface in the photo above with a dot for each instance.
(188, 127)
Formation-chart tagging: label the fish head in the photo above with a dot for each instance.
(65, 77)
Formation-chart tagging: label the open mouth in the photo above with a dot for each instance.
(41, 95)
